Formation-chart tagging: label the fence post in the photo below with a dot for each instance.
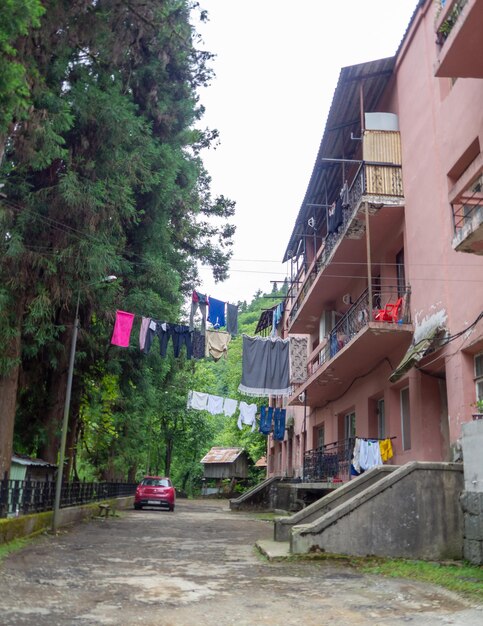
(4, 495)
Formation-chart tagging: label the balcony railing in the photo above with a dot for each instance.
(447, 17)
(358, 316)
(381, 181)
(330, 462)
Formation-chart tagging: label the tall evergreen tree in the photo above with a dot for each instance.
(103, 176)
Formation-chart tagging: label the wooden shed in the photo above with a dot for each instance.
(24, 467)
(226, 463)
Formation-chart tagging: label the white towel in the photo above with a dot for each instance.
(215, 405)
(198, 400)
(230, 406)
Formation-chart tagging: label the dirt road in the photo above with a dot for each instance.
(198, 567)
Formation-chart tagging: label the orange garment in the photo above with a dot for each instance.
(386, 449)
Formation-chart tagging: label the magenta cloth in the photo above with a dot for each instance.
(122, 329)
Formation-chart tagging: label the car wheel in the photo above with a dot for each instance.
(138, 507)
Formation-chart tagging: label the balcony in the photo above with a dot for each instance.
(377, 185)
(459, 37)
(329, 463)
(359, 342)
(468, 219)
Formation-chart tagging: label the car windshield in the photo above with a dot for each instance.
(155, 482)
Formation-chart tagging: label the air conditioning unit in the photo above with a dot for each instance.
(346, 298)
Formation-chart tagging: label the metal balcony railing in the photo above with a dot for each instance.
(358, 316)
(468, 204)
(330, 462)
(371, 179)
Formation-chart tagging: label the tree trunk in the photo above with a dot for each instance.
(8, 392)
(168, 456)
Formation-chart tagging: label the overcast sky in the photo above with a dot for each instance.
(277, 65)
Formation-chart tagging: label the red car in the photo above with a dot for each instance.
(155, 491)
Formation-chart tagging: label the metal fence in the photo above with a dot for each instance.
(21, 497)
(329, 462)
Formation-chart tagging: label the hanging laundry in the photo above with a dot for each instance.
(335, 216)
(232, 319)
(266, 416)
(370, 454)
(181, 336)
(276, 317)
(214, 405)
(216, 343)
(198, 344)
(197, 400)
(122, 329)
(298, 359)
(216, 313)
(151, 333)
(344, 195)
(247, 415)
(143, 331)
(265, 366)
(356, 455)
(279, 424)
(386, 449)
(198, 301)
(230, 406)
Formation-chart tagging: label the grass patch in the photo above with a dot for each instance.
(13, 546)
(458, 576)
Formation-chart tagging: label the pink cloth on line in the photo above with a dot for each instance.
(122, 329)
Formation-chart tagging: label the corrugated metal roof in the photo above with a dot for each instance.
(342, 120)
(222, 455)
(23, 459)
(262, 462)
(343, 125)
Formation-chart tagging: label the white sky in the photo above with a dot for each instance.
(277, 65)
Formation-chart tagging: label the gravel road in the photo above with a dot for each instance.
(198, 567)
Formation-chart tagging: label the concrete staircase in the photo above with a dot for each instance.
(256, 497)
(283, 525)
(412, 511)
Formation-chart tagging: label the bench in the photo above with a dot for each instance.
(105, 509)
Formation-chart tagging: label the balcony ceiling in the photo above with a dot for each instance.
(368, 350)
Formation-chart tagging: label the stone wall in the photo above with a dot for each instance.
(472, 497)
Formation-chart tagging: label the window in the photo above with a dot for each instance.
(381, 419)
(320, 436)
(405, 419)
(349, 425)
(479, 376)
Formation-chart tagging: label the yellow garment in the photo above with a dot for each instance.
(386, 449)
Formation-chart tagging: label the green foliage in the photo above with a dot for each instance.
(456, 576)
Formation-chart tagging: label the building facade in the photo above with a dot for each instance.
(386, 256)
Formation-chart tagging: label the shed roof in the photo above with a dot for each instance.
(222, 455)
(23, 459)
(262, 462)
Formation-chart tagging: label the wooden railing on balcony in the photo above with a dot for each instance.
(356, 318)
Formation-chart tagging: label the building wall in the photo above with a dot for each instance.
(439, 119)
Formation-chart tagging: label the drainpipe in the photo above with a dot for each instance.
(304, 393)
(369, 262)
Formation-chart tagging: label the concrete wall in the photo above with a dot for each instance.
(412, 513)
(25, 525)
(472, 497)
(283, 525)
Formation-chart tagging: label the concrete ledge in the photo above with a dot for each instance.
(273, 550)
(414, 512)
(283, 526)
(25, 525)
(237, 503)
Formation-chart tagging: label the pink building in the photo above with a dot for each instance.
(386, 256)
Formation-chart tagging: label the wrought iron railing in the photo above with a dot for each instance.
(468, 204)
(30, 496)
(330, 462)
(381, 179)
(359, 315)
